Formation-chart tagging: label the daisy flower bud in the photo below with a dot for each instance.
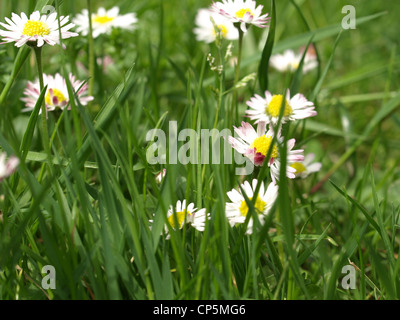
(161, 175)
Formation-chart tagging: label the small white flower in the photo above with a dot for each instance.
(38, 28)
(268, 109)
(290, 61)
(243, 12)
(57, 92)
(104, 21)
(237, 210)
(7, 167)
(186, 215)
(228, 53)
(206, 31)
(305, 168)
(256, 144)
(160, 176)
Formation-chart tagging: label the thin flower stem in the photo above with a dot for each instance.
(221, 87)
(235, 103)
(91, 50)
(45, 131)
(6, 89)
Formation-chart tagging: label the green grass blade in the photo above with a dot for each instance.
(267, 51)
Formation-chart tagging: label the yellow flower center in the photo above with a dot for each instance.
(180, 217)
(295, 65)
(259, 206)
(102, 19)
(35, 28)
(299, 167)
(274, 107)
(56, 93)
(242, 12)
(221, 29)
(262, 145)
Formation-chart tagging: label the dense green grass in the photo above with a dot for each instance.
(86, 211)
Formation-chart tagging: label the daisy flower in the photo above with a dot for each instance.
(206, 30)
(243, 12)
(7, 167)
(57, 92)
(186, 215)
(290, 61)
(305, 168)
(256, 144)
(268, 109)
(39, 29)
(237, 210)
(104, 21)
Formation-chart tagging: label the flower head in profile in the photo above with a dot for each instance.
(7, 167)
(183, 215)
(306, 167)
(36, 30)
(57, 93)
(208, 31)
(256, 145)
(242, 12)
(103, 21)
(160, 176)
(237, 210)
(267, 109)
(290, 60)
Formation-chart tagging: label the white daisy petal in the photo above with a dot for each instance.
(35, 16)
(7, 167)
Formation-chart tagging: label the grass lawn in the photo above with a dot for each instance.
(86, 215)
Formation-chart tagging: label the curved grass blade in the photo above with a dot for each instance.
(383, 112)
(318, 86)
(358, 205)
(22, 56)
(27, 139)
(294, 87)
(267, 51)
